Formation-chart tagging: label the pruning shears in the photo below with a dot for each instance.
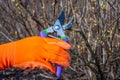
(59, 28)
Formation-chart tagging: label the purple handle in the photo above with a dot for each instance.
(59, 68)
(43, 34)
(66, 40)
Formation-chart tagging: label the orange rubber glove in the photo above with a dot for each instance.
(34, 52)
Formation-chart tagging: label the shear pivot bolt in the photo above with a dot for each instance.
(57, 27)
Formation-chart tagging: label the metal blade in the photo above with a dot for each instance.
(61, 18)
(58, 28)
(50, 29)
(67, 26)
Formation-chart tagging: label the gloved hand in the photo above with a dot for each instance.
(34, 52)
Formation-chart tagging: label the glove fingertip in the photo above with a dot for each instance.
(58, 42)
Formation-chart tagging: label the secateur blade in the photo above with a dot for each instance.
(61, 18)
(58, 24)
(69, 25)
(57, 27)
